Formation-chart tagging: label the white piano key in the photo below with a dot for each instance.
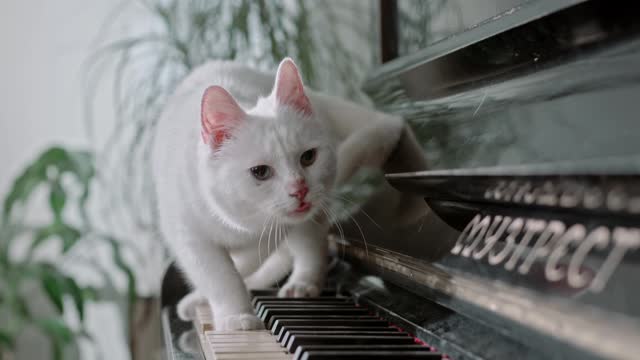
(204, 318)
(250, 344)
(246, 348)
(261, 336)
(254, 356)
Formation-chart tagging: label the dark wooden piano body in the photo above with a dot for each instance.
(525, 239)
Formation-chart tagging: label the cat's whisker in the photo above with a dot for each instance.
(341, 230)
(338, 197)
(364, 239)
(285, 233)
(264, 227)
(276, 235)
(269, 238)
(342, 239)
(338, 226)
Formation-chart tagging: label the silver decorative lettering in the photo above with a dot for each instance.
(552, 271)
(616, 199)
(565, 250)
(463, 237)
(548, 196)
(624, 239)
(593, 198)
(524, 189)
(598, 238)
(571, 195)
(497, 192)
(513, 230)
(476, 235)
(541, 249)
(532, 227)
(493, 237)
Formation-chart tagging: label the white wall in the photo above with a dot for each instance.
(44, 45)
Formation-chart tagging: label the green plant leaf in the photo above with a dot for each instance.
(57, 349)
(59, 334)
(118, 260)
(56, 328)
(20, 307)
(67, 233)
(6, 339)
(69, 236)
(57, 199)
(42, 234)
(23, 186)
(79, 163)
(82, 165)
(77, 294)
(54, 289)
(90, 293)
(122, 265)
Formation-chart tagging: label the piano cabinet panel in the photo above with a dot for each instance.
(545, 135)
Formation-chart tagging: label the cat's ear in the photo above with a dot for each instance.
(219, 114)
(289, 89)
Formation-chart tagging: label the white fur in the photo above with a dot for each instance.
(229, 231)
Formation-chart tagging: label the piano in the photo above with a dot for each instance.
(515, 234)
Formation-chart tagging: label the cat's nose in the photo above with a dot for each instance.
(301, 190)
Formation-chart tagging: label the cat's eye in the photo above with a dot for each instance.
(308, 157)
(261, 172)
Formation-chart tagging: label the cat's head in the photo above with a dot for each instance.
(274, 162)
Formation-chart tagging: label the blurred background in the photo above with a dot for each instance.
(82, 86)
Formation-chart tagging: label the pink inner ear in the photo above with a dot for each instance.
(219, 114)
(289, 88)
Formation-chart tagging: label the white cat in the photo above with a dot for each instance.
(244, 171)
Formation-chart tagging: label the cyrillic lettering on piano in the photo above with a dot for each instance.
(518, 243)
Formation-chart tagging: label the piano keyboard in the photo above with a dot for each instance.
(325, 327)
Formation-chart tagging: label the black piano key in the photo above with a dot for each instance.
(273, 294)
(298, 306)
(349, 348)
(365, 355)
(297, 340)
(333, 328)
(361, 321)
(289, 334)
(301, 312)
(261, 305)
(264, 292)
(260, 299)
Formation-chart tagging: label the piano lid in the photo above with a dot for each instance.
(523, 89)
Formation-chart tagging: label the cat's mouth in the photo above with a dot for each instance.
(302, 208)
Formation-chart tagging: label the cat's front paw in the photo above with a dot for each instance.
(238, 322)
(187, 306)
(299, 289)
